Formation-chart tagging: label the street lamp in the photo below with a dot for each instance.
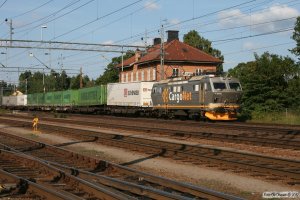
(42, 27)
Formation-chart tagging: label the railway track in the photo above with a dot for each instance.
(117, 181)
(286, 139)
(55, 180)
(233, 125)
(270, 168)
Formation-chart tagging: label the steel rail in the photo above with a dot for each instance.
(30, 168)
(24, 186)
(246, 161)
(285, 141)
(103, 166)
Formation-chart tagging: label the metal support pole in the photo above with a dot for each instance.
(162, 53)
(44, 81)
(80, 84)
(122, 59)
(26, 85)
(10, 31)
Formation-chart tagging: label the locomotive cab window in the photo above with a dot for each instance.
(179, 89)
(219, 86)
(235, 86)
(196, 88)
(159, 90)
(174, 89)
(154, 90)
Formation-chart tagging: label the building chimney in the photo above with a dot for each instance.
(172, 35)
(156, 41)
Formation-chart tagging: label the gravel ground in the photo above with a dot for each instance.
(228, 182)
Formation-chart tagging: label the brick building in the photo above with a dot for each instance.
(179, 59)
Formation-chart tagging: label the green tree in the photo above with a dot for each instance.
(6, 89)
(193, 38)
(266, 81)
(75, 82)
(38, 82)
(296, 37)
(111, 73)
(24, 84)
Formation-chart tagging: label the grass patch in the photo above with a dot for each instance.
(3, 111)
(32, 135)
(292, 118)
(60, 115)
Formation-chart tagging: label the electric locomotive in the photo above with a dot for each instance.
(208, 96)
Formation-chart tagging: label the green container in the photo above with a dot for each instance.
(57, 98)
(36, 99)
(40, 99)
(30, 99)
(70, 97)
(74, 97)
(49, 99)
(92, 96)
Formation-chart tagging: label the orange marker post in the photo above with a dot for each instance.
(35, 123)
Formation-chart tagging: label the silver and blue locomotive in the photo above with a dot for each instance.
(208, 96)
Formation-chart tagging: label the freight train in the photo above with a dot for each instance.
(208, 97)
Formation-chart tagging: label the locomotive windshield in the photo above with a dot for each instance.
(219, 85)
(235, 86)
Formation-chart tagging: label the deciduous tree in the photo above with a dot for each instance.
(193, 38)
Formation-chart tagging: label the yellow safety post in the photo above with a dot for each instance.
(35, 123)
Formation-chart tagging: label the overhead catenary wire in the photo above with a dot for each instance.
(3, 3)
(34, 9)
(102, 16)
(52, 14)
(233, 40)
(250, 36)
(98, 18)
(60, 16)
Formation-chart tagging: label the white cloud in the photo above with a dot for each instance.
(108, 42)
(250, 45)
(174, 21)
(277, 12)
(149, 5)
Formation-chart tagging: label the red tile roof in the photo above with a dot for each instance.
(127, 62)
(175, 51)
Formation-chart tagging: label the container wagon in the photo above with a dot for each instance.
(131, 98)
(92, 99)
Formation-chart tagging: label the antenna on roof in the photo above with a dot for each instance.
(162, 52)
(145, 39)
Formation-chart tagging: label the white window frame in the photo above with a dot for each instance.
(154, 74)
(137, 76)
(176, 70)
(123, 79)
(148, 74)
(142, 75)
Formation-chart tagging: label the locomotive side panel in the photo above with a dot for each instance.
(216, 98)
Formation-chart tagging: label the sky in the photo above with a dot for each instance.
(237, 28)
